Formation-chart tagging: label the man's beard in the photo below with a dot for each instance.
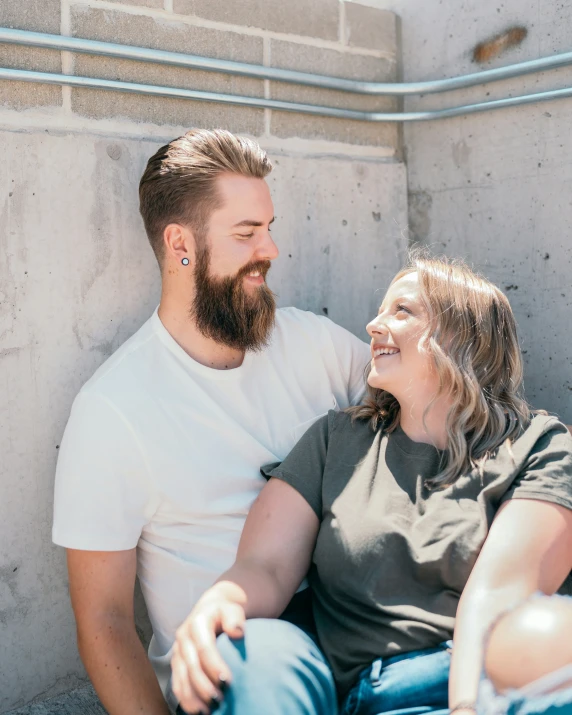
(223, 311)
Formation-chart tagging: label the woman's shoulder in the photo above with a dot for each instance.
(544, 430)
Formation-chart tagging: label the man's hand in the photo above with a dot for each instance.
(200, 675)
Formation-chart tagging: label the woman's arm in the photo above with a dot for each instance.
(273, 558)
(528, 549)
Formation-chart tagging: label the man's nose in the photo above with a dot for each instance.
(267, 249)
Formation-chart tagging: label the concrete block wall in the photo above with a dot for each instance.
(77, 276)
(325, 36)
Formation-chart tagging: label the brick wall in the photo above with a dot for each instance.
(328, 37)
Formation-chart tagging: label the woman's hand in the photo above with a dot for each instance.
(200, 675)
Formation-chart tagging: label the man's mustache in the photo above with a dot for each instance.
(261, 266)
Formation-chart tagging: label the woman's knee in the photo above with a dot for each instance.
(279, 662)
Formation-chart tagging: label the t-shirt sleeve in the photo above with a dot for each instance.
(103, 493)
(353, 356)
(303, 468)
(547, 473)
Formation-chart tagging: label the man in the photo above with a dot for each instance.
(160, 460)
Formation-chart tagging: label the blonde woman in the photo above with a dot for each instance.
(420, 515)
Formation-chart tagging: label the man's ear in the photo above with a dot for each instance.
(179, 244)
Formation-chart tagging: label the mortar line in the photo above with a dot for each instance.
(193, 20)
(58, 123)
(342, 24)
(67, 58)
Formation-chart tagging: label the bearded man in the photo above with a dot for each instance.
(160, 461)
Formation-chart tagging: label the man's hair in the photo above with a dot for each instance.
(472, 339)
(179, 182)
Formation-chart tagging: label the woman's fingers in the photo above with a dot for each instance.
(189, 648)
(203, 634)
(199, 673)
(232, 620)
(181, 686)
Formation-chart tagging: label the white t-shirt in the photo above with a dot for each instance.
(163, 453)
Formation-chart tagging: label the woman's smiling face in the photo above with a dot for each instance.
(400, 363)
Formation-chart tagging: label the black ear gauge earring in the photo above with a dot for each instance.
(185, 261)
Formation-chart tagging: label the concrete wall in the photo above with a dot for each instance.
(77, 276)
(495, 187)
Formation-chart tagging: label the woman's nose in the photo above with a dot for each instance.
(376, 327)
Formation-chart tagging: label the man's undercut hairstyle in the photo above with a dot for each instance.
(179, 182)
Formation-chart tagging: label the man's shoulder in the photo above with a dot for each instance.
(121, 367)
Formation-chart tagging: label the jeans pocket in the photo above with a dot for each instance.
(354, 698)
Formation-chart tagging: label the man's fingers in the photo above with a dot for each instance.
(232, 620)
(203, 636)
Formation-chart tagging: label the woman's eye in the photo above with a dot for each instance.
(400, 308)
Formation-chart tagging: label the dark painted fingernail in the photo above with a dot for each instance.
(214, 703)
(223, 683)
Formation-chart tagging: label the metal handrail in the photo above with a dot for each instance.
(144, 54)
(262, 103)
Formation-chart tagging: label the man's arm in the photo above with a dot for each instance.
(101, 589)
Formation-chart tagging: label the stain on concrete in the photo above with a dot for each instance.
(420, 203)
(18, 608)
(461, 153)
(496, 46)
(101, 218)
(114, 151)
(376, 215)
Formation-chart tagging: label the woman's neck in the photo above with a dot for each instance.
(420, 426)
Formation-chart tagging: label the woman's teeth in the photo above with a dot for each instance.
(385, 351)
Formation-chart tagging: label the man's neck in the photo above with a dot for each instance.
(177, 320)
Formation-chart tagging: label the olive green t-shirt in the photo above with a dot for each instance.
(393, 557)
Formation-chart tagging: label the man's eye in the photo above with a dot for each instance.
(244, 235)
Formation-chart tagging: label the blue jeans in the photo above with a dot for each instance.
(530, 700)
(407, 684)
(278, 668)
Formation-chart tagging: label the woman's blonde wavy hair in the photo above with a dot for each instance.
(472, 339)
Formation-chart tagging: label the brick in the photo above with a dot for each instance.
(370, 28)
(306, 58)
(124, 28)
(129, 29)
(22, 95)
(290, 124)
(101, 104)
(36, 15)
(30, 58)
(318, 18)
(142, 3)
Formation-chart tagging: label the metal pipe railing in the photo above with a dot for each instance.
(144, 54)
(262, 103)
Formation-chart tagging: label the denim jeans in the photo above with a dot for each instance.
(538, 698)
(278, 668)
(407, 684)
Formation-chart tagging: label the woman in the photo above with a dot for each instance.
(421, 515)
